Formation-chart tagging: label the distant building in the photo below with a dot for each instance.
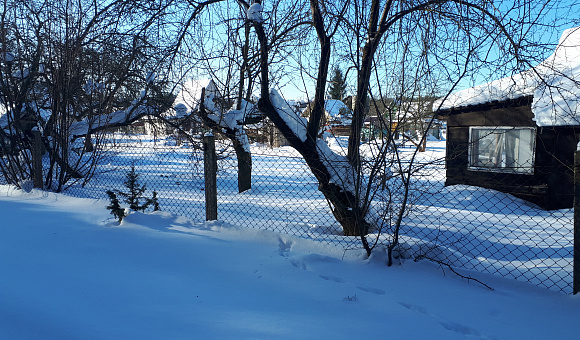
(337, 116)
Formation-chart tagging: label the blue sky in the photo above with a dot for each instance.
(550, 21)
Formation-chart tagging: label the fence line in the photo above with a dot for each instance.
(468, 227)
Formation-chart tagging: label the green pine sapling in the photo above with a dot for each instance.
(153, 200)
(133, 196)
(135, 191)
(115, 207)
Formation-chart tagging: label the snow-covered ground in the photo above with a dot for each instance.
(464, 226)
(69, 271)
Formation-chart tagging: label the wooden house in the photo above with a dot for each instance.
(518, 134)
(337, 116)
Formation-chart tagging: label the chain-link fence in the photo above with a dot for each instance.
(174, 171)
(464, 226)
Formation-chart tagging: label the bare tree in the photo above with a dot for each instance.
(232, 61)
(70, 70)
(410, 36)
(393, 51)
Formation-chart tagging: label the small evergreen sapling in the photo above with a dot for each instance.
(153, 200)
(133, 196)
(135, 191)
(115, 207)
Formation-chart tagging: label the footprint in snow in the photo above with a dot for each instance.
(298, 264)
(331, 278)
(415, 308)
(364, 289)
(449, 325)
(461, 329)
(284, 247)
(371, 290)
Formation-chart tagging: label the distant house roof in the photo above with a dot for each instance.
(188, 99)
(335, 108)
(554, 85)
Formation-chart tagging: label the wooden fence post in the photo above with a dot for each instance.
(576, 266)
(37, 159)
(210, 172)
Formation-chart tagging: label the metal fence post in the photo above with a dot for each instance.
(37, 159)
(210, 172)
(576, 268)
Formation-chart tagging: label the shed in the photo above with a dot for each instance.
(518, 134)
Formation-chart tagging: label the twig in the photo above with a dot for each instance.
(468, 278)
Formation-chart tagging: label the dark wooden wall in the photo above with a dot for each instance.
(551, 185)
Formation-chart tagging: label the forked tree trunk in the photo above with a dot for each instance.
(344, 204)
(345, 207)
(243, 155)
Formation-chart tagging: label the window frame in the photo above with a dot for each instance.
(474, 145)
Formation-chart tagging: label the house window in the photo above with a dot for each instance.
(502, 149)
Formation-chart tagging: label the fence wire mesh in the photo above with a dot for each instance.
(464, 226)
(174, 171)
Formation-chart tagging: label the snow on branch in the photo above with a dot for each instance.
(232, 121)
(254, 13)
(340, 170)
(114, 119)
(232, 118)
(292, 119)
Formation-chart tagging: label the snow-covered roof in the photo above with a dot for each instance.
(189, 97)
(554, 85)
(335, 108)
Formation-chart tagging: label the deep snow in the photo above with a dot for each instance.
(69, 271)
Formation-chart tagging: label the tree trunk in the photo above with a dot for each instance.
(344, 205)
(244, 166)
(89, 147)
(350, 217)
(240, 143)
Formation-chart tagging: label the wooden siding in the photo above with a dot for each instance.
(550, 186)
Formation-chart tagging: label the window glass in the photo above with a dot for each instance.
(504, 149)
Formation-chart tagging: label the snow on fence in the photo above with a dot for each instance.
(466, 227)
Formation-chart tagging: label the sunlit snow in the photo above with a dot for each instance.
(292, 119)
(69, 271)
